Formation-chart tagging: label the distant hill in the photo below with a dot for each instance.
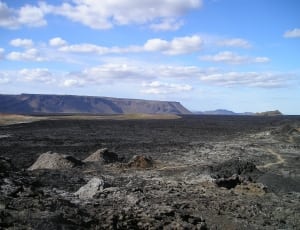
(228, 112)
(40, 103)
(270, 113)
(222, 112)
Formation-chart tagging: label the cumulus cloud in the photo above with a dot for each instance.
(28, 55)
(232, 58)
(123, 12)
(115, 72)
(86, 48)
(235, 42)
(2, 53)
(72, 82)
(4, 78)
(260, 59)
(18, 42)
(295, 33)
(157, 87)
(57, 42)
(169, 24)
(36, 75)
(180, 45)
(248, 79)
(177, 46)
(111, 73)
(32, 16)
(154, 78)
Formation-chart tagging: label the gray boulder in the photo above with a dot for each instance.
(93, 187)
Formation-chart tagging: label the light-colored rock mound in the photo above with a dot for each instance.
(139, 161)
(93, 187)
(51, 160)
(102, 155)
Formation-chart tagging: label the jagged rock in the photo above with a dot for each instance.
(230, 182)
(93, 187)
(234, 167)
(102, 155)
(139, 161)
(258, 189)
(9, 188)
(51, 160)
(5, 166)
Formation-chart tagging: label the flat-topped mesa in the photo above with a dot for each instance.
(40, 103)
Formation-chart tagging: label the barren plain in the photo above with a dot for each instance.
(193, 172)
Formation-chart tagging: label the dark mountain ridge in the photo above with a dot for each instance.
(41, 103)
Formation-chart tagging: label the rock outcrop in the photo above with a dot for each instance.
(93, 187)
(140, 161)
(104, 156)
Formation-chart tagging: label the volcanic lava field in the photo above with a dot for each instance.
(192, 172)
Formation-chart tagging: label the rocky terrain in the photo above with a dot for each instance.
(197, 172)
(57, 104)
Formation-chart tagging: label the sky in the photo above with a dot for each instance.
(239, 55)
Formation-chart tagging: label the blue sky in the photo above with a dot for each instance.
(240, 55)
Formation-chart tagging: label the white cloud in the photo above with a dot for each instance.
(157, 76)
(31, 16)
(36, 75)
(180, 45)
(155, 79)
(235, 42)
(28, 15)
(18, 42)
(4, 78)
(261, 59)
(123, 12)
(101, 50)
(232, 58)
(177, 46)
(57, 42)
(295, 33)
(85, 48)
(71, 83)
(248, 79)
(135, 72)
(109, 72)
(2, 53)
(157, 87)
(169, 24)
(28, 55)
(7, 18)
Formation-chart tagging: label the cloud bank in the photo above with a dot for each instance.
(157, 14)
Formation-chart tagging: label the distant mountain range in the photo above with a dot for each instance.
(222, 112)
(68, 104)
(228, 112)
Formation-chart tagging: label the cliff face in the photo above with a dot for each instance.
(37, 103)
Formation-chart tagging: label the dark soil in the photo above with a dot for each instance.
(204, 174)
